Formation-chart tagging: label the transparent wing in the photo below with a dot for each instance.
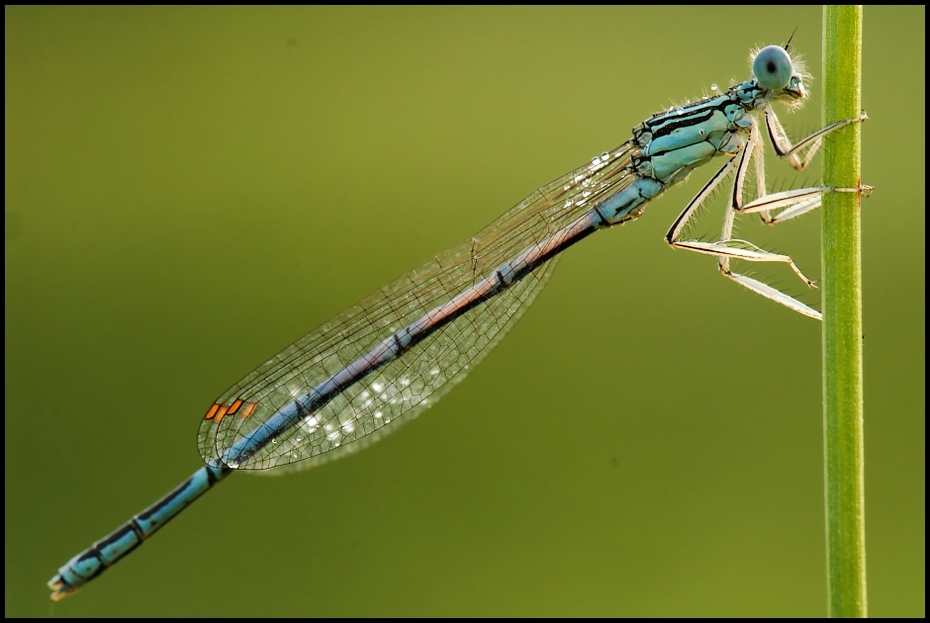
(396, 392)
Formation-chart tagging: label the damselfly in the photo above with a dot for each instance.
(393, 354)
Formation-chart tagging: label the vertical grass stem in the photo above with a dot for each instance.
(842, 317)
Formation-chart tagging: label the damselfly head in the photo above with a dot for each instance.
(781, 74)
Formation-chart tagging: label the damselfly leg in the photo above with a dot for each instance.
(789, 204)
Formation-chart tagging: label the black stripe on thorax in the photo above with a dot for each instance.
(669, 122)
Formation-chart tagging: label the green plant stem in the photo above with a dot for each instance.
(842, 318)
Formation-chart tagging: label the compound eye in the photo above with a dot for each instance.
(772, 67)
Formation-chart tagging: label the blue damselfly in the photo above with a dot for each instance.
(394, 353)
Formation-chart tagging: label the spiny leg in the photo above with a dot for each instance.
(784, 148)
(791, 203)
(753, 151)
(794, 203)
(729, 247)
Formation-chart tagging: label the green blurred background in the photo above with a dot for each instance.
(190, 189)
